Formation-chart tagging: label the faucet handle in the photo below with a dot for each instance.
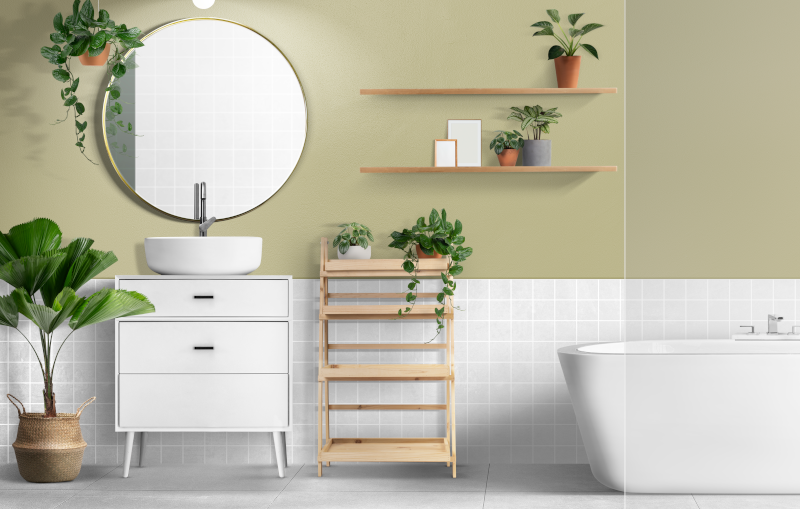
(776, 318)
(751, 327)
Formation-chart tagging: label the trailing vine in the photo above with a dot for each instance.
(81, 33)
(439, 236)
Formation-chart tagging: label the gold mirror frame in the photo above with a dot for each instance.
(111, 82)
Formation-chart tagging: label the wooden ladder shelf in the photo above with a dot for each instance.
(439, 449)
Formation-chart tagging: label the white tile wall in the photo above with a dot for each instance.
(230, 114)
(512, 402)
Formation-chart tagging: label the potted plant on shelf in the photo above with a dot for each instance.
(441, 238)
(49, 446)
(353, 242)
(536, 151)
(506, 145)
(81, 35)
(568, 65)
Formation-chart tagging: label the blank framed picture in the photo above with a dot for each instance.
(445, 153)
(468, 134)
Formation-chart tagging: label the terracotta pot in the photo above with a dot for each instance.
(508, 157)
(567, 70)
(100, 59)
(49, 449)
(421, 254)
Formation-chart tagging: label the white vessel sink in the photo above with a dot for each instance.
(218, 256)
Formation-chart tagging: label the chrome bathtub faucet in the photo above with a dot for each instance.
(200, 209)
(772, 323)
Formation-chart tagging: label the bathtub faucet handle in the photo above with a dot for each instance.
(752, 328)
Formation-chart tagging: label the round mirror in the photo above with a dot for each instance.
(205, 100)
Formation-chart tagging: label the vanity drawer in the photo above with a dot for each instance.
(203, 347)
(213, 297)
(203, 401)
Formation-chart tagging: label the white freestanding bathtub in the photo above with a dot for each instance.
(689, 416)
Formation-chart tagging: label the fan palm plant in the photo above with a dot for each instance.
(45, 277)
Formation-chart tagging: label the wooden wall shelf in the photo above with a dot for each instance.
(487, 169)
(485, 91)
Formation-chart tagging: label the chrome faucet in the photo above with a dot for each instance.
(772, 323)
(200, 209)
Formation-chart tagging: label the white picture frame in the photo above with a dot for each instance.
(468, 134)
(445, 153)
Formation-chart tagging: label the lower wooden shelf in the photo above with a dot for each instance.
(344, 372)
(487, 169)
(387, 449)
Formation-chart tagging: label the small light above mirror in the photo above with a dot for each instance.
(203, 4)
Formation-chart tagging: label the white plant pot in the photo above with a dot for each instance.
(356, 253)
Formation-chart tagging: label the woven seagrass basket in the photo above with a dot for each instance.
(49, 449)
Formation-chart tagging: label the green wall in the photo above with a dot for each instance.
(521, 226)
(713, 178)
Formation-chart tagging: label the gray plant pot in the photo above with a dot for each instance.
(536, 153)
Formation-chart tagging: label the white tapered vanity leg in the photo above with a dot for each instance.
(126, 463)
(141, 448)
(285, 455)
(280, 452)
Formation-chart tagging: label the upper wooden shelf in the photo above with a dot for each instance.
(488, 169)
(432, 267)
(484, 91)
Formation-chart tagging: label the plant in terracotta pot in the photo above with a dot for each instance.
(82, 35)
(535, 120)
(568, 65)
(353, 242)
(45, 276)
(439, 238)
(506, 145)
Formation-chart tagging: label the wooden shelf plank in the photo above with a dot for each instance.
(420, 295)
(384, 372)
(380, 312)
(485, 91)
(386, 449)
(382, 264)
(388, 407)
(387, 346)
(487, 169)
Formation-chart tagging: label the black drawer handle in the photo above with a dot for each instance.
(204, 348)
(203, 296)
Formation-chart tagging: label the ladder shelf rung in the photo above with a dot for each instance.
(388, 407)
(420, 295)
(384, 372)
(387, 346)
(387, 449)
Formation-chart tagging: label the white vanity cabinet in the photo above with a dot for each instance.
(215, 356)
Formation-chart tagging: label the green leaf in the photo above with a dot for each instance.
(37, 237)
(57, 282)
(53, 55)
(590, 26)
(555, 52)
(114, 94)
(573, 18)
(444, 278)
(79, 144)
(74, 86)
(545, 31)
(440, 298)
(108, 304)
(81, 44)
(458, 227)
(87, 11)
(542, 24)
(116, 108)
(408, 266)
(81, 126)
(130, 128)
(118, 70)
(128, 35)
(9, 314)
(80, 108)
(592, 51)
(574, 32)
(61, 75)
(88, 265)
(447, 291)
(96, 52)
(44, 317)
(131, 44)
(71, 100)
(30, 272)
(434, 217)
(456, 270)
(410, 297)
(58, 22)
(58, 38)
(7, 252)
(554, 15)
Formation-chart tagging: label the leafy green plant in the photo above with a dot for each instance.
(507, 139)
(354, 234)
(438, 236)
(535, 118)
(75, 35)
(567, 44)
(33, 262)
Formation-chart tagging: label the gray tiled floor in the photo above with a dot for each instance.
(407, 486)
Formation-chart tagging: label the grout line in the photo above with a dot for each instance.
(486, 487)
(695, 501)
(302, 465)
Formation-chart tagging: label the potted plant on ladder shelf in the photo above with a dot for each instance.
(49, 446)
(568, 65)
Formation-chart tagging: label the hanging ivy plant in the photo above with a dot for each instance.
(438, 236)
(82, 33)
